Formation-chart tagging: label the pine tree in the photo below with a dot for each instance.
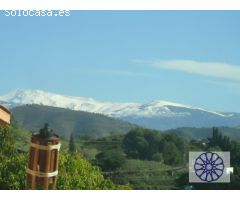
(215, 137)
(71, 146)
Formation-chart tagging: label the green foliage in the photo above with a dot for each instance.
(6, 141)
(225, 144)
(12, 163)
(13, 172)
(89, 153)
(140, 144)
(157, 157)
(147, 144)
(21, 138)
(216, 139)
(157, 164)
(140, 174)
(143, 174)
(235, 153)
(76, 173)
(72, 147)
(110, 160)
(171, 155)
(214, 148)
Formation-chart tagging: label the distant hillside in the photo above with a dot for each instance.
(65, 121)
(201, 133)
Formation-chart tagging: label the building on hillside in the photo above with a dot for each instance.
(5, 116)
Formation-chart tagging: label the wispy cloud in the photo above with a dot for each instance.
(212, 69)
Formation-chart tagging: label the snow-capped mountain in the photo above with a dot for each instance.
(156, 108)
(156, 114)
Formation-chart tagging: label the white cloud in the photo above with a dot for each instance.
(212, 69)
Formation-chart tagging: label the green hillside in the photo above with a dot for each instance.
(65, 121)
(203, 133)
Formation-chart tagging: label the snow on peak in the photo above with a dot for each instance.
(21, 96)
(167, 103)
(155, 108)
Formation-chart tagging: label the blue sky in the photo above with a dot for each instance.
(189, 57)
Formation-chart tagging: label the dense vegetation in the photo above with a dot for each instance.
(141, 159)
(75, 172)
(145, 144)
(148, 159)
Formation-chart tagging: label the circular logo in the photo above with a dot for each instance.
(209, 167)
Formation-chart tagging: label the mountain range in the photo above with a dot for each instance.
(65, 121)
(160, 115)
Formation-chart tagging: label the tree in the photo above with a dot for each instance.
(71, 146)
(76, 173)
(13, 172)
(141, 143)
(134, 144)
(153, 140)
(145, 144)
(157, 157)
(171, 154)
(6, 141)
(216, 139)
(179, 142)
(235, 153)
(226, 144)
(12, 164)
(110, 160)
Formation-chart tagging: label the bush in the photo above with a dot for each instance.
(12, 164)
(13, 172)
(76, 173)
